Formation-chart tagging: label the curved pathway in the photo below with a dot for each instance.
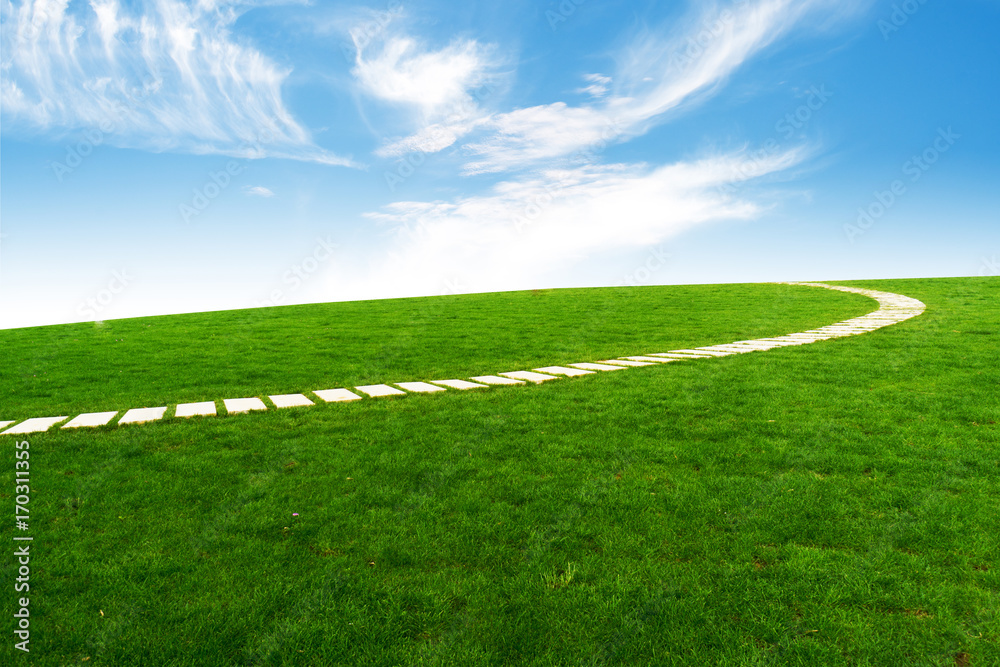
(893, 308)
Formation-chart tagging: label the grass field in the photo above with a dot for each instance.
(836, 503)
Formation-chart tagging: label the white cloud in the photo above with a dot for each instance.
(536, 226)
(598, 85)
(257, 191)
(442, 89)
(657, 73)
(436, 82)
(164, 76)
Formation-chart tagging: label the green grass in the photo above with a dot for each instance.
(159, 360)
(836, 503)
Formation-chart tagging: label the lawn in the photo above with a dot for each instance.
(831, 504)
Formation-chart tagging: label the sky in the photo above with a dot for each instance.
(167, 156)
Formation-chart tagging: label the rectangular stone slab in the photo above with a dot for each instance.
(337, 395)
(34, 425)
(459, 384)
(530, 376)
(562, 370)
(202, 409)
(235, 406)
(380, 390)
(420, 387)
(496, 379)
(674, 355)
(655, 360)
(290, 400)
(598, 367)
(702, 350)
(140, 415)
(627, 362)
(90, 419)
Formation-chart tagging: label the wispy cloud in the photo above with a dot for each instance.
(657, 73)
(257, 191)
(440, 89)
(532, 227)
(163, 76)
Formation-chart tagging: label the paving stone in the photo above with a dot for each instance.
(495, 379)
(337, 395)
(530, 376)
(562, 370)
(420, 387)
(140, 415)
(235, 406)
(598, 367)
(673, 355)
(90, 419)
(6, 424)
(655, 360)
(290, 401)
(380, 390)
(201, 409)
(702, 350)
(459, 384)
(627, 363)
(742, 349)
(34, 425)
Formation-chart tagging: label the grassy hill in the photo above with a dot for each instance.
(836, 503)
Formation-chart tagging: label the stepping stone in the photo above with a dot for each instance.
(90, 419)
(673, 355)
(530, 376)
(598, 367)
(290, 400)
(140, 415)
(420, 387)
(496, 379)
(655, 360)
(380, 390)
(337, 395)
(35, 425)
(562, 370)
(459, 384)
(5, 424)
(741, 349)
(236, 406)
(702, 350)
(203, 409)
(627, 362)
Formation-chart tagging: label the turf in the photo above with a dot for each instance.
(831, 504)
(141, 362)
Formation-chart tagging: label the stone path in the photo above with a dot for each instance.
(893, 308)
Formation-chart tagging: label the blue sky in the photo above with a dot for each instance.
(166, 157)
